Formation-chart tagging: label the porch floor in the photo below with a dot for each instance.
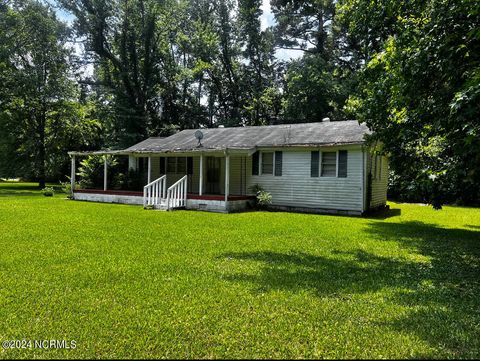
(206, 197)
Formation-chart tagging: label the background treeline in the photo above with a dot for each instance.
(409, 69)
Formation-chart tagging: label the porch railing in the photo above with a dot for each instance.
(177, 194)
(154, 191)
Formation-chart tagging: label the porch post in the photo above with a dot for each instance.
(72, 176)
(149, 177)
(105, 170)
(227, 178)
(200, 186)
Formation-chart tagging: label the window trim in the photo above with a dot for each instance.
(321, 164)
(176, 165)
(261, 162)
(274, 160)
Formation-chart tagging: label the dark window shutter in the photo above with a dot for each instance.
(162, 165)
(255, 163)
(315, 163)
(190, 165)
(278, 163)
(342, 163)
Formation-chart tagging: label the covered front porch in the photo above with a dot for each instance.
(211, 181)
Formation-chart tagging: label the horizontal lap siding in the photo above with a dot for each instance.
(296, 187)
(155, 168)
(237, 175)
(379, 186)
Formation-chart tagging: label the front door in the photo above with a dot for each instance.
(213, 175)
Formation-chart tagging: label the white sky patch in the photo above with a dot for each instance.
(267, 19)
(287, 54)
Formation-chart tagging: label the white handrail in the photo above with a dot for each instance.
(177, 194)
(154, 191)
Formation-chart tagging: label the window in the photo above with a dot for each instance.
(267, 163)
(342, 163)
(171, 164)
(329, 164)
(181, 165)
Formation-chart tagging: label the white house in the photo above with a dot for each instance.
(314, 167)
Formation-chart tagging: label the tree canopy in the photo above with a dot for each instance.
(408, 69)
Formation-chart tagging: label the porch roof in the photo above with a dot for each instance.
(252, 137)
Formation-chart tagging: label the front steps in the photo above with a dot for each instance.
(162, 206)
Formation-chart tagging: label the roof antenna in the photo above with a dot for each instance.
(199, 136)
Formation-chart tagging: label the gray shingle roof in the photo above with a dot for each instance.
(284, 135)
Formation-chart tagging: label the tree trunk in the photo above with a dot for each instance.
(41, 159)
(41, 148)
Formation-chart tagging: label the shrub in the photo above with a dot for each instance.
(263, 198)
(91, 171)
(48, 191)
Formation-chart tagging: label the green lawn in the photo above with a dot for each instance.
(124, 282)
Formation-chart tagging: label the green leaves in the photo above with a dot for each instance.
(419, 92)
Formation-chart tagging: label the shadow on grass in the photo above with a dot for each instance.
(19, 194)
(383, 213)
(8, 189)
(441, 294)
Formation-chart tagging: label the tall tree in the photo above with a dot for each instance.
(258, 59)
(37, 90)
(122, 34)
(305, 25)
(420, 94)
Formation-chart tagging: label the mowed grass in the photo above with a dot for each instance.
(123, 282)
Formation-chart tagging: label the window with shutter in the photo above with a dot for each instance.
(278, 163)
(314, 163)
(171, 164)
(329, 164)
(267, 162)
(342, 163)
(181, 165)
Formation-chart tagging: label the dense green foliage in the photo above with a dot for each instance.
(420, 93)
(123, 282)
(40, 118)
(409, 69)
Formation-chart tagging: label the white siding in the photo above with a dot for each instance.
(379, 184)
(238, 175)
(296, 187)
